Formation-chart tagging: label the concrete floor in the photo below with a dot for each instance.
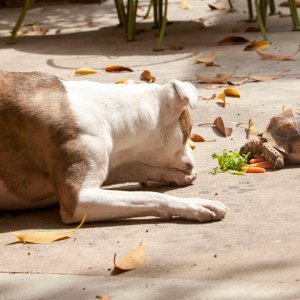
(253, 253)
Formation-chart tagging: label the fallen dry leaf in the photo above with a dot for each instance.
(251, 130)
(134, 259)
(257, 45)
(286, 3)
(103, 297)
(217, 6)
(233, 40)
(266, 77)
(221, 96)
(191, 144)
(252, 29)
(84, 71)
(209, 61)
(118, 69)
(120, 82)
(238, 83)
(46, 237)
(277, 57)
(221, 78)
(185, 5)
(232, 93)
(147, 76)
(212, 97)
(197, 138)
(219, 124)
(39, 30)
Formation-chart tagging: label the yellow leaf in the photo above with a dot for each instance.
(184, 5)
(191, 144)
(257, 45)
(132, 260)
(251, 131)
(232, 93)
(117, 69)
(209, 61)
(45, 237)
(120, 82)
(84, 71)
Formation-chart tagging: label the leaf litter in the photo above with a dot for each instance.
(45, 237)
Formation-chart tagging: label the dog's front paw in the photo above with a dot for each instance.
(203, 210)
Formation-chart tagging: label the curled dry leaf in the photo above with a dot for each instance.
(84, 71)
(118, 69)
(217, 6)
(120, 82)
(39, 30)
(191, 144)
(219, 124)
(232, 93)
(251, 130)
(221, 78)
(196, 138)
(212, 97)
(184, 4)
(286, 3)
(209, 61)
(266, 77)
(147, 76)
(277, 57)
(46, 237)
(257, 46)
(233, 40)
(134, 259)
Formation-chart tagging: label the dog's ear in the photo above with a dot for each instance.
(186, 93)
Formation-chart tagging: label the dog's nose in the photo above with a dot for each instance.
(189, 166)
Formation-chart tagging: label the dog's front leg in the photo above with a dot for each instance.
(140, 172)
(101, 205)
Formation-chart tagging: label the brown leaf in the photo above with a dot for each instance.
(233, 40)
(117, 69)
(218, 6)
(209, 61)
(232, 93)
(212, 97)
(120, 82)
(266, 77)
(84, 71)
(286, 3)
(251, 130)
(147, 76)
(252, 29)
(103, 297)
(219, 123)
(39, 30)
(277, 57)
(45, 237)
(257, 45)
(219, 79)
(197, 138)
(134, 259)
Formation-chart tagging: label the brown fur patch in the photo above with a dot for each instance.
(39, 140)
(185, 124)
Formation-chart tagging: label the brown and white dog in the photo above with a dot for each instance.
(60, 141)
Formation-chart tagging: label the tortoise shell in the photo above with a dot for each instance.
(283, 133)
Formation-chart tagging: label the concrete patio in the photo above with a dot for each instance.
(253, 253)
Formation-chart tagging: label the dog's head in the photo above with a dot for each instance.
(174, 127)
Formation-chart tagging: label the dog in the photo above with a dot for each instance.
(61, 141)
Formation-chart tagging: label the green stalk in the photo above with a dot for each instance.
(155, 14)
(148, 10)
(260, 22)
(230, 5)
(162, 29)
(27, 5)
(294, 13)
(119, 13)
(272, 7)
(250, 11)
(160, 13)
(263, 11)
(130, 13)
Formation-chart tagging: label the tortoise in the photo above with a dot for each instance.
(280, 143)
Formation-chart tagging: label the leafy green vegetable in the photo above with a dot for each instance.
(231, 162)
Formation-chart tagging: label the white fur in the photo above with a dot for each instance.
(132, 133)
